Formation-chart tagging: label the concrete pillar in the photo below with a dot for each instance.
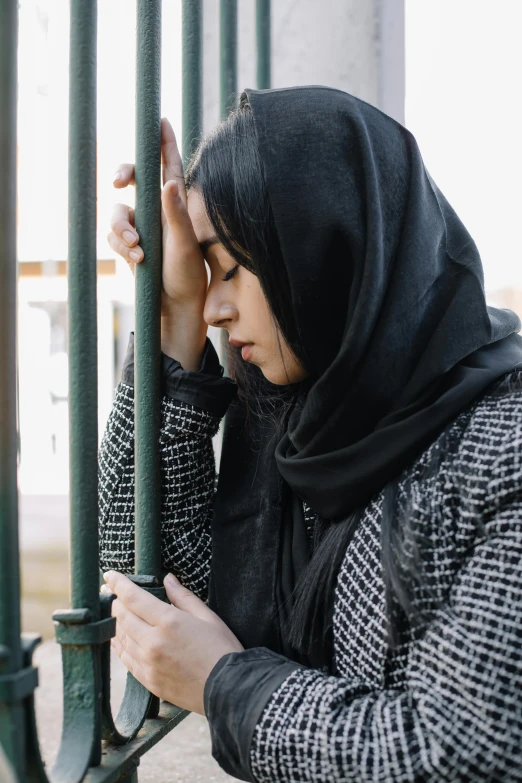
(354, 45)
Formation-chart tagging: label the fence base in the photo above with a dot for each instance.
(130, 777)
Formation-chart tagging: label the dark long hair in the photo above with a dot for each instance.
(227, 171)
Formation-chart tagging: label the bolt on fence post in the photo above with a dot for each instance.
(11, 712)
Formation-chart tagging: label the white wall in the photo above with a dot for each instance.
(464, 62)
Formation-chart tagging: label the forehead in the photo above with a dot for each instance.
(198, 215)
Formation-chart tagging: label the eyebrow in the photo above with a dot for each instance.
(207, 243)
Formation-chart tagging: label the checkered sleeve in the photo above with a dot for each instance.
(188, 474)
(459, 717)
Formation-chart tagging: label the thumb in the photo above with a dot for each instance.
(183, 599)
(178, 219)
(173, 206)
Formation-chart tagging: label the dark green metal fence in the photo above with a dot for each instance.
(84, 630)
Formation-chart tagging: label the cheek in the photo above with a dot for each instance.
(253, 308)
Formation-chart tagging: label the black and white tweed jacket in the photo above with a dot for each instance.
(443, 705)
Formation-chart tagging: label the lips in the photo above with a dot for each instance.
(238, 343)
(246, 351)
(246, 348)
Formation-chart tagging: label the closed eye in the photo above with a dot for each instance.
(231, 272)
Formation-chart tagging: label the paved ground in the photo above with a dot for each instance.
(184, 755)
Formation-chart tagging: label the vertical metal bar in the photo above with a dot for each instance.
(192, 76)
(11, 716)
(9, 572)
(83, 371)
(148, 288)
(227, 56)
(263, 44)
(227, 89)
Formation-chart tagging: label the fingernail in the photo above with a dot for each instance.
(117, 176)
(171, 580)
(107, 575)
(130, 237)
(135, 255)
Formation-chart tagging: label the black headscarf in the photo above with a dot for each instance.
(388, 296)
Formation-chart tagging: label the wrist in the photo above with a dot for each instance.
(183, 337)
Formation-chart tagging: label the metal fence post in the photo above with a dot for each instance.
(227, 90)
(76, 628)
(11, 711)
(227, 56)
(138, 704)
(263, 70)
(148, 289)
(192, 76)
(81, 273)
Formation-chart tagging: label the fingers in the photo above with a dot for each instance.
(183, 599)
(124, 175)
(171, 159)
(130, 628)
(172, 165)
(123, 237)
(133, 666)
(131, 255)
(135, 600)
(123, 220)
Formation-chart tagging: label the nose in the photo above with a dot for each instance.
(218, 311)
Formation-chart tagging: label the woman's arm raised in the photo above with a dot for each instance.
(185, 281)
(196, 395)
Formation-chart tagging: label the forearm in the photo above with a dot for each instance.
(116, 485)
(188, 480)
(187, 469)
(183, 336)
(187, 487)
(316, 728)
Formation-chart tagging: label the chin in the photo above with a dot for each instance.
(276, 380)
(279, 377)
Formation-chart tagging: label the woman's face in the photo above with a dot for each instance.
(239, 305)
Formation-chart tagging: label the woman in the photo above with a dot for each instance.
(364, 541)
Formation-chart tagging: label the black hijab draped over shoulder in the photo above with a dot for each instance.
(388, 297)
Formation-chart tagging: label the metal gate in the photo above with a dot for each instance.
(84, 630)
